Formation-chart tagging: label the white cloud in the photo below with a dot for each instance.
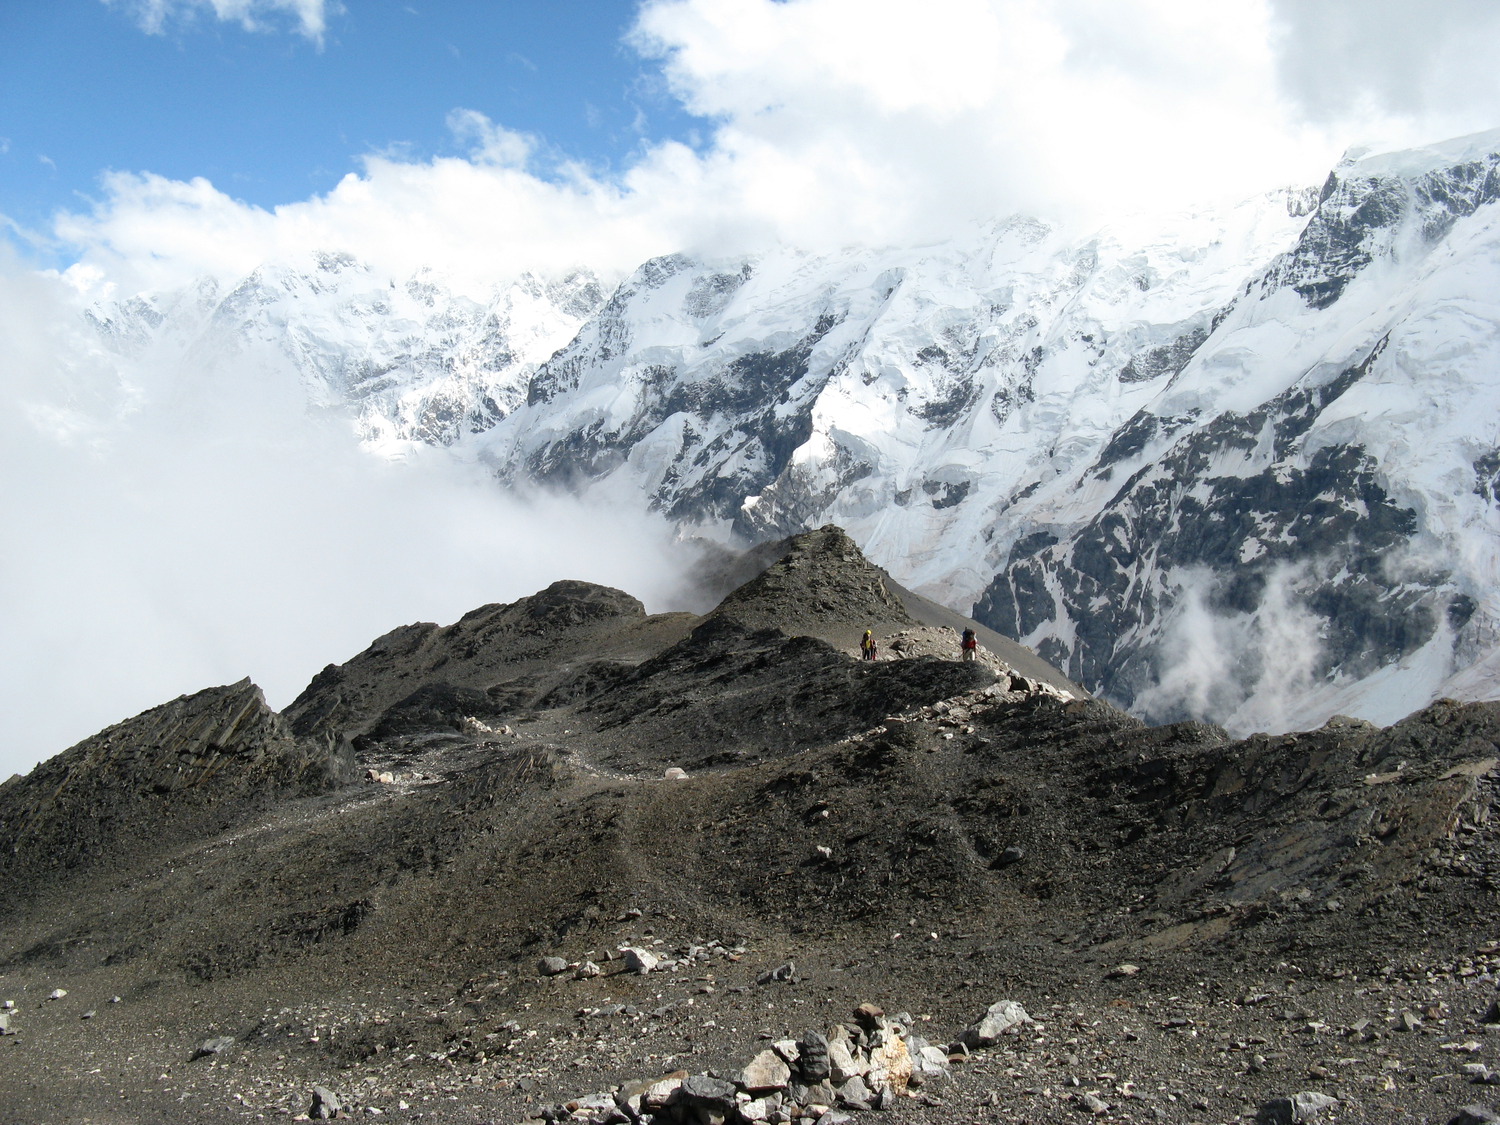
(1431, 67)
(309, 16)
(849, 121)
(974, 108)
(1239, 669)
(173, 525)
(489, 143)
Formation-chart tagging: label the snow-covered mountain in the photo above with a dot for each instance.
(412, 359)
(1241, 463)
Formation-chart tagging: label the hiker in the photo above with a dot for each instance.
(867, 645)
(970, 645)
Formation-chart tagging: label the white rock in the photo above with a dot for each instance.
(843, 1063)
(934, 1060)
(657, 1094)
(890, 1067)
(1003, 1018)
(787, 1049)
(756, 1109)
(767, 1071)
(639, 960)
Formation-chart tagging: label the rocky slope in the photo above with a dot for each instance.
(1195, 926)
(178, 772)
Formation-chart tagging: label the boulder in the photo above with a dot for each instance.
(855, 1094)
(890, 1066)
(928, 1063)
(767, 1071)
(1006, 1017)
(757, 1109)
(1475, 1115)
(325, 1104)
(639, 960)
(656, 1095)
(780, 973)
(552, 966)
(816, 1093)
(788, 1049)
(703, 1092)
(1294, 1109)
(599, 1109)
(845, 1063)
(215, 1046)
(812, 1057)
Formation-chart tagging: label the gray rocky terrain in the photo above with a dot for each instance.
(564, 860)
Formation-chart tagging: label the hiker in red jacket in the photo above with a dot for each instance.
(970, 645)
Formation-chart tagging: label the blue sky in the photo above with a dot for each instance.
(271, 116)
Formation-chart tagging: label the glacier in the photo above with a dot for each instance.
(1239, 463)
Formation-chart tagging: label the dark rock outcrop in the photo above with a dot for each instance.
(516, 649)
(172, 773)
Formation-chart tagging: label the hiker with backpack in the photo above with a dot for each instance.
(969, 644)
(867, 645)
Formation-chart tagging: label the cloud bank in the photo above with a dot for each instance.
(170, 526)
(837, 122)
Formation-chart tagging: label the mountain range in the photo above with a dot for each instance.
(1240, 463)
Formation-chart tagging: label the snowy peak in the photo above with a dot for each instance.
(1393, 206)
(411, 358)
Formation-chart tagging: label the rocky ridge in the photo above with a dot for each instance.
(177, 772)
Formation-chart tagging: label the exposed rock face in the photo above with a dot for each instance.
(822, 584)
(1308, 524)
(1274, 499)
(424, 675)
(1290, 548)
(173, 772)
